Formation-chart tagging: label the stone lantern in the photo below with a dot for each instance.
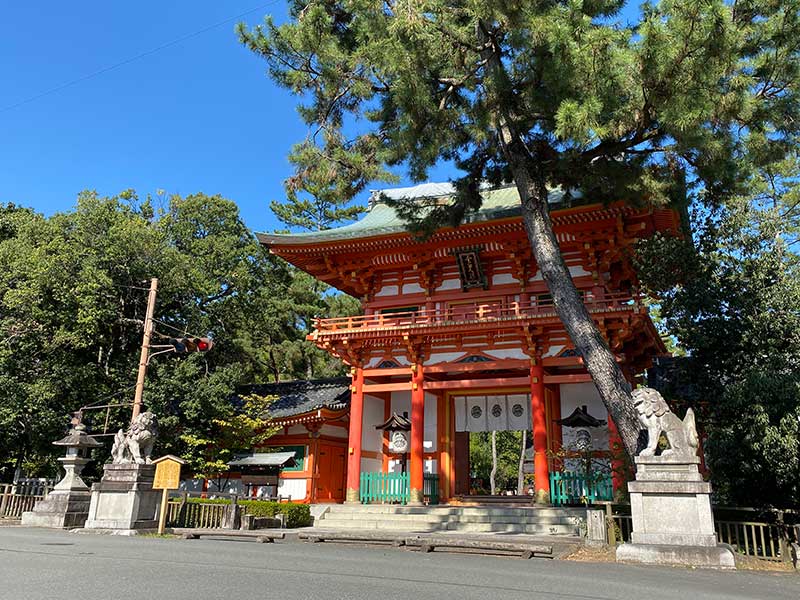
(398, 428)
(67, 505)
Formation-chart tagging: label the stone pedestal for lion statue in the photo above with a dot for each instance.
(124, 501)
(670, 502)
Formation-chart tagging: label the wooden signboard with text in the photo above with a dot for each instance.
(167, 477)
(168, 473)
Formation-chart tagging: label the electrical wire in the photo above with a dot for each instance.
(114, 395)
(183, 332)
(128, 61)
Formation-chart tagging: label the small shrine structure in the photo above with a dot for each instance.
(459, 330)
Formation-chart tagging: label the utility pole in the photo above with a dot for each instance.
(144, 357)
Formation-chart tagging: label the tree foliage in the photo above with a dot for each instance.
(508, 451)
(731, 297)
(73, 292)
(686, 103)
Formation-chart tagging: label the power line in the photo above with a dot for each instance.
(127, 61)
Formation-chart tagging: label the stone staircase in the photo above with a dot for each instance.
(464, 519)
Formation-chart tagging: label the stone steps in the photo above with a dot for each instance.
(472, 519)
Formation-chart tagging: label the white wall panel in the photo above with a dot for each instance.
(333, 431)
(429, 442)
(371, 438)
(574, 395)
(387, 290)
(294, 488)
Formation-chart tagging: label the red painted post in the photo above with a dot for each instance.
(354, 443)
(417, 466)
(541, 470)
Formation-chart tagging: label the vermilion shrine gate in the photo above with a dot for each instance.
(459, 331)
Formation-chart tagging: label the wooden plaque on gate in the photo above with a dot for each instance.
(168, 472)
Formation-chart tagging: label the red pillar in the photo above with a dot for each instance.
(541, 470)
(354, 443)
(417, 466)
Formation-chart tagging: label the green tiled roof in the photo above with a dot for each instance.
(381, 219)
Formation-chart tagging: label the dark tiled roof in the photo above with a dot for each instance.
(580, 418)
(298, 397)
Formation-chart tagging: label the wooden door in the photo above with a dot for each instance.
(330, 485)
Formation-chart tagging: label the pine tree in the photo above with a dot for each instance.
(680, 105)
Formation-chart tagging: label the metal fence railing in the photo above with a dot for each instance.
(575, 488)
(761, 534)
(394, 488)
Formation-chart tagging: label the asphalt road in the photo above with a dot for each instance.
(57, 565)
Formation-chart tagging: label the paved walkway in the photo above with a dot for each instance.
(43, 564)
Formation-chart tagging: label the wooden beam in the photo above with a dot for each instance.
(574, 378)
(387, 372)
(371, 388)
(470, 384)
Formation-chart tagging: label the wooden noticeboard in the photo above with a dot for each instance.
(167, 477)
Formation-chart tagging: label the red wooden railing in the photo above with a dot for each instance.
(472, 312)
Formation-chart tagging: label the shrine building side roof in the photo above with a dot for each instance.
(303, 396)
(382, 219)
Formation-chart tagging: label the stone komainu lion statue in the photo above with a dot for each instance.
(655, 416)
(136, 445)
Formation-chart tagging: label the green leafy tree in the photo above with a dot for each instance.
(731, 298)
(318, 198)
(685, 102)
(237, 430)
(507, 464)
(73, 291)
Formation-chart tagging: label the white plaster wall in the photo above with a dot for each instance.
(294, 488)
(429, 466)
(371, 465)
(412, 288)
(298, 430)
(429, 443)
(401, 402)
(387, 290)
(554, 350)
(502, 278)
(371, 438)
(509, 353)
(443, 357)
(449, 284)
(578, 271)
(333, 431)
(574, 395)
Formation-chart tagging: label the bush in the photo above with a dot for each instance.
(297, 515)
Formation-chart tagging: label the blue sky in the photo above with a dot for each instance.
(200, 115)
(197, 116)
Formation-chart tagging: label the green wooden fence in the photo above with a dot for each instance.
(574, 488)
(389, 488)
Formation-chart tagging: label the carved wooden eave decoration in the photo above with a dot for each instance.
(395, 423)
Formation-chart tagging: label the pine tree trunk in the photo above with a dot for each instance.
(587, 339)
(492, 485)
(521, 472)
(526, 167)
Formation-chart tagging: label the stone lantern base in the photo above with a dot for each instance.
(67, 505)
(124, 500)
(61, 509)
(672, 518)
